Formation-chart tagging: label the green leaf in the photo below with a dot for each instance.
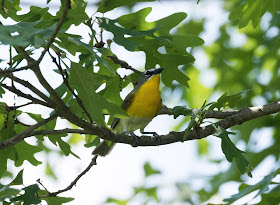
(76, 15)
(112, 91)
(272, 197)
(253, 10)
(191, 124)
(5, 154)
(174, 45)
(182, 110)
(54, 200)
(26, 35)
(138, 21)
(26, 151)
(149, 170)
(108, 5)
(64, 146)
(29, 197)
(74, 44)
(38, 118)
(232, 152)
(92, 140)
(49, 171)
(227, 100)
(151, 192)
(35, 14)
(117, 201)
(2, 91)
(18, 179)
(95, 104)
(196, 118)
(181, 42)
(7, 130)
(10, 9)
(7, 192)
(119, 33)
(262, 186)
(203, 147)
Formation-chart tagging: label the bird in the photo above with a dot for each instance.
(142, 104)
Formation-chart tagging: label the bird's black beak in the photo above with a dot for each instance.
(157, 71)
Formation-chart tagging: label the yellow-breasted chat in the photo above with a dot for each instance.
(142, 104)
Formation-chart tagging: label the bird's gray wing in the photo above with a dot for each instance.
(125, 104)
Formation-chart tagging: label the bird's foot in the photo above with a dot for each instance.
(158, 138)
(135, 137)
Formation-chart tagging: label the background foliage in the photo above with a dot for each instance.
(244, 56)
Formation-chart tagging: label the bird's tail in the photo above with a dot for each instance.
(104, 148)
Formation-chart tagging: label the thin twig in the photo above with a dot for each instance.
(26, 96)
(65, 80)
(19, 106)
(55, 32)
(20, 136)
(32, 88)
(124, 64)
(73, 183)
(14, 69)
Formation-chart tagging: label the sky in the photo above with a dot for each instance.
(117, 174)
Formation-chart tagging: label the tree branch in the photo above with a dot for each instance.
(60, 23)
(206, 113)
(4, 72)
(53, 194)
(240, 117)
(26, 96)
(20, 136)
(65, 80)
(55, 132)
(32, 88)
(124, 64)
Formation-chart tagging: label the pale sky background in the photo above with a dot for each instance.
(117, 174)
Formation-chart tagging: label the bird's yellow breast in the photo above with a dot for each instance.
(146, 101)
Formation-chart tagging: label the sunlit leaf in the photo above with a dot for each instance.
(149, 170)
(253, 10)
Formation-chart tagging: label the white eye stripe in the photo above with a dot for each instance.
(147, 73)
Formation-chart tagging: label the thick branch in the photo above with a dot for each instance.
(206, 113)
(55, 132)
(240, 117)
